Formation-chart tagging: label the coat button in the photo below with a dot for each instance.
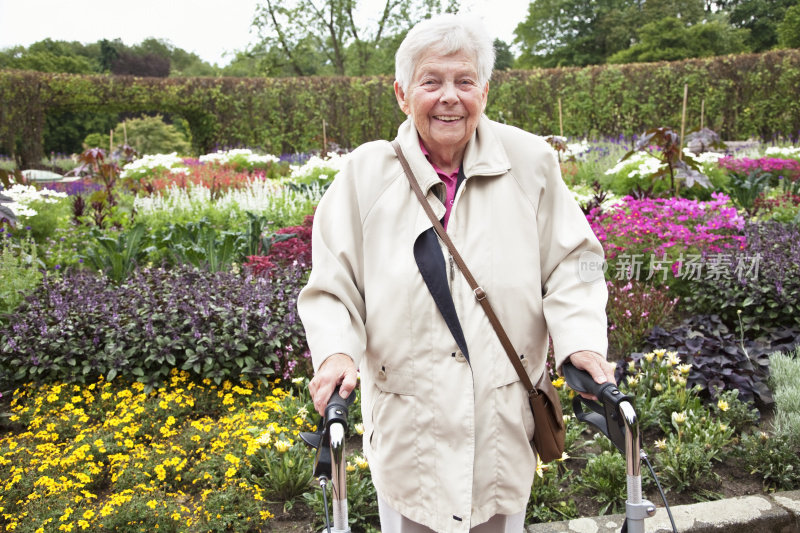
(524, 363)
(381, 374)
(460, 356)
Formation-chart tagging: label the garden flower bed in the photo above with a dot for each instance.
(153, 369)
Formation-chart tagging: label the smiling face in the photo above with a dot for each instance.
(445, 100)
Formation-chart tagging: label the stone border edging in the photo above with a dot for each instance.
(778, 512)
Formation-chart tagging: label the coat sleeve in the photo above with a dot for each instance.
(331, 305)
(574, 296)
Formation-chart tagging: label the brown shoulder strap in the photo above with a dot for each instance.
(480, 294)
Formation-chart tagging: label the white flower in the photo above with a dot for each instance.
(148, 163)
(704, 157)
(223, 157)
(24, 195)
(783, 151)
(332, 164)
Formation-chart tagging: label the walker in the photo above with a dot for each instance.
(612, 414)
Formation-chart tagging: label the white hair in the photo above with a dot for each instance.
(445, 34)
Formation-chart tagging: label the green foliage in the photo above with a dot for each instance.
(151, 135)
(362, 500)
(604, 480)
(685, 457)
(562, 33)
(50, 56)
(774, 458)
(285, 115)
(745, 189)
(789, 28)
(49, 216)
(762, 18)
(19, 271)
(549, 501)
(785, 381)
(117, 258)
(284, 469)
(199, 244)
(671, 39)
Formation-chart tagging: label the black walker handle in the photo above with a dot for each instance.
(605, 417)
(320, 440)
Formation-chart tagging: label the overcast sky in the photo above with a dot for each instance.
(211, 29)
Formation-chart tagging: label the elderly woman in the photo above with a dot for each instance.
(447, 423)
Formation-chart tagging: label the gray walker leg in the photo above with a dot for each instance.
(339, 480)
(636, 508)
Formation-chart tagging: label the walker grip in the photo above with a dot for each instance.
(606, 416)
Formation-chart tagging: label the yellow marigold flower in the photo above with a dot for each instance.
(230, 472)
(283, 446)
(361, 462)
(660, 352)
(227, 399)
(685, 369)
(83, 524)
(88, 515)
(558, 382)
(649, 357)
(266, 515)
(66, 515)
(176, 516)
(350, 467)
(65, 527)
(152, 504)
(723, 405)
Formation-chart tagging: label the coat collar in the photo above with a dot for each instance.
(484, 155)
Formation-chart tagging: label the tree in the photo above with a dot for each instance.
(670, 39)
(49, 56)
(762, 18)
(329, 30)
(789, 28)
(504, 59)
(565, 32)
(130, 63)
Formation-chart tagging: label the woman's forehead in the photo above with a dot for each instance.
(434, 62)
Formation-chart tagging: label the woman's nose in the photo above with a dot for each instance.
(449, 93)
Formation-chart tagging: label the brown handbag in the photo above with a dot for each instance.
(549, 429)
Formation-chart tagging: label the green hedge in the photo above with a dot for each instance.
(746, 95)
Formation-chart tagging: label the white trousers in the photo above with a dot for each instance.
(394, 522)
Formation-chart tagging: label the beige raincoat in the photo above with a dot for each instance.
(446, 433)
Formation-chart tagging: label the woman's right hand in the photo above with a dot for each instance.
(338, 369)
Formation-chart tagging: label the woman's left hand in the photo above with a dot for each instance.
(596, 365)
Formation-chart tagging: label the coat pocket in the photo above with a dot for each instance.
(395, 392)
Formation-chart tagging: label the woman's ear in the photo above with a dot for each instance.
(485, 96)
(401, 97)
